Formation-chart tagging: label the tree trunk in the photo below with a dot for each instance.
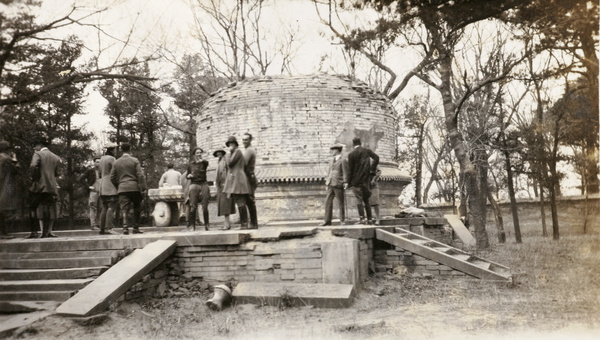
(498, 217)
(543, 212)
(433, 172)
(511, 194)
(592, 65)
(477, 209)
(419, 175)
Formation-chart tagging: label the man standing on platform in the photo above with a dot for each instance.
(199, 192)
(108, 191)
(250, 159)
(362, 163)
(236, 185)
(9, 198)
(44, 165)
(91, 180)
(335, 180)
(128, 178)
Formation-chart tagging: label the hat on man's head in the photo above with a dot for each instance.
(217, 151)
(338, 146)
(4, 145)
(231, 139)
(96, 156)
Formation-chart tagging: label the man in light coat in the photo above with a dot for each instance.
(108, 191)
(335, 180)
(236, 184)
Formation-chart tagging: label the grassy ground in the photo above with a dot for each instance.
(555, 295)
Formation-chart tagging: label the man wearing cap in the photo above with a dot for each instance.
(128, 178)
(335, 180)
(225, 205)
(91, 180)
(108, 191)
(9, 202)
(44, 189)
(362, 163)
(237, 186)
(199, 192)
(250, 159)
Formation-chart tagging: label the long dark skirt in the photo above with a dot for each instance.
(225, 205)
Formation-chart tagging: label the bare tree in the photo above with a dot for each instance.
(236, 42)
(23, 42)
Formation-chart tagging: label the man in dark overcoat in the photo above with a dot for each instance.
(362, 163)
(128, 178)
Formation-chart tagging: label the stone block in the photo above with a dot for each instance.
(294, 294)
(340, 262)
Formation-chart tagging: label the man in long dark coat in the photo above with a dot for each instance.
(362, 163)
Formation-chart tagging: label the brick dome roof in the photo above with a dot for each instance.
(295, 119)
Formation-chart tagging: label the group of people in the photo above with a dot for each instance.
(360, 172)
(41, 199)
(117, 186)
(112, 182)
(235, 181)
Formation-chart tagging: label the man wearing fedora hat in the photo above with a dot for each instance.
(199, 192)
(335, 180)
(250, 159)
(225, 205)
(236, 185)
(9, 203)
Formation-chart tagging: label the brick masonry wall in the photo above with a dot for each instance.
(399, 261)
(571, 212)
(248, 262)
(153, 284)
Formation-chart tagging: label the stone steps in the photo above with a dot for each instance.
(40, 295)
(50, 274)
(40, 274)
(45, 285)
(60, 254)
(52, 263)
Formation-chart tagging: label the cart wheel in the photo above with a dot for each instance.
(162, 214)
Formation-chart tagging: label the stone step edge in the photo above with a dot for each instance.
(291, 294)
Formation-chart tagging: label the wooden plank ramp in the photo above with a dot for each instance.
(99, 294)
(446, 255)
(460, 230)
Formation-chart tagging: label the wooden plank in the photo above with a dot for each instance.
(294, 294)
(448, 260)
(461, 231)
(98, 295)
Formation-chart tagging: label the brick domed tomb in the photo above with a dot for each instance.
(294, 120)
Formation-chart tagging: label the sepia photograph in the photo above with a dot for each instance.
(299, 169)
